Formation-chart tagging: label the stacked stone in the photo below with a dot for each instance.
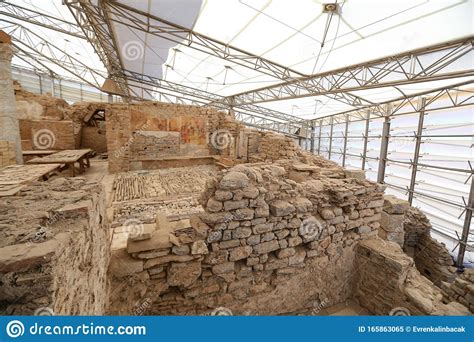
(7, 153)
(259, 230)
(386, 281)
(461, 290)
(123, 142)
(54, 250)
(393, 215)
(274, 146)
(410, 229)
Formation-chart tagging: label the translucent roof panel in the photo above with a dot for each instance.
(298, 35)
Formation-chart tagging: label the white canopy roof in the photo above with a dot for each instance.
(286, 32)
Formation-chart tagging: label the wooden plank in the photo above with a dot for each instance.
(62, 157)
(13, 176)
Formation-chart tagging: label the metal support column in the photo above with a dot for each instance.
(345, 142)
(416, 154)
(330, 137)
(466, 227)
(52, 86)
(312, 138)
(384, 148)
(319, 136)
(110, 98)
(366, 139)
(40, 84)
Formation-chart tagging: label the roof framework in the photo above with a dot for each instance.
(96, 21)
(445, 69)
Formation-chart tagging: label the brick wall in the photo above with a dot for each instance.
(7, 153)
(387, 282)
(54, 250)
(138, 133)
(48, 135)
(265, 245)
(94, 138)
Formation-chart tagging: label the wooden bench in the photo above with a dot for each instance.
(68, 158)
(15, 177)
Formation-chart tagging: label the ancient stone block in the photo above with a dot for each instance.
(223, 268)
(241, 232)
(199, 247)
(393, 205)
(213, 205)
(183, 274)
(231, 205)
(281, 208)
(266, 247)
(240, 253)
(234, 180)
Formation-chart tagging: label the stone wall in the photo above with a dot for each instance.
(271, 146)
(7, 153)
(387, 282)
(48, 135)
(54, 249)
(266, 244)
(461, 290)
(148, 131)
(31, 106)
(410, 229)
(94, 138)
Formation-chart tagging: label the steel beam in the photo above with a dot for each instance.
(466, 227)
(159, 27)
(405, 68)
(319, 136)
(416, 154)
(366, 139)
(41, 19)
(330, 139)
(408, 104)
(93, 20)
(346, 129)
(384, 148)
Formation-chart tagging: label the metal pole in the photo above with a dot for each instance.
(40, 84)
(60, 89)
(80, 89)
(466, 227)
(319, 136)
(312, 138)
(416, 154)
(345, 142)
(366, 139)
(384, 148)
(330, 137)
(52, 86)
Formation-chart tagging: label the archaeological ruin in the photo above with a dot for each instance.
(183, 210)
(141, 189)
